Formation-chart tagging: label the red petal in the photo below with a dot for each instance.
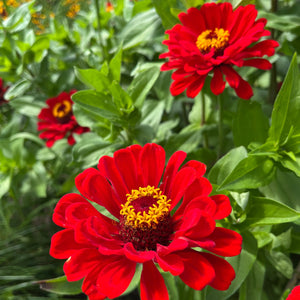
(212, 16)
(295, 294)
(63, 244)
(198, 272)
(152, 283)
(171, 263)
(81, 263)
(223, 206)
(197, 165)
(137, 256)
(95, 187)
(224, 272)
(152, 164)
(196, 86)
(258, 63)
(171, 170)
(108, 169)
(182, 181)
(115, 276)
(241, 87)
(217, 83)
(193, 20)
(178, 86)
(59, 215)
(228, 242)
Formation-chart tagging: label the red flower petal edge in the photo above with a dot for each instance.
(57, 121)
(211, 40)
(159, 216)
(295, 294)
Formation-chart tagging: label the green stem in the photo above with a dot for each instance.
(203, 119)
(220, 126)
(273, 81)
(101, 44)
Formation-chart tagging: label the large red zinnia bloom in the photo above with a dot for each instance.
(144, 228)
(57, 120)
(211, 40)
(295, 294)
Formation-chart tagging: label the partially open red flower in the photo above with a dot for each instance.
(158, 217)
(57, 120)
(211, 40)
(295, 294)
(2, 92)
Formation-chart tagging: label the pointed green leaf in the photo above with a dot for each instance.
(264, 211)
(252, 172)
(287, 106)
(115, 65)
(61, 286)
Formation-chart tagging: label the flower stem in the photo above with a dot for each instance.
(220, 126)
(203, 119)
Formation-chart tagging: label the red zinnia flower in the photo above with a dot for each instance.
(58, 121)
(140, 196)
(2, 92)
(211, 40)
(295, 294)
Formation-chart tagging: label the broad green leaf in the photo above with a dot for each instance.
(286, 110)
(226, 165)
(263, 238)
(142, 84)
(121, 99)
(163, 8)
(142, 28)
(284, 188)
(245, 129)
(152, 112)
(281, 262)
(92, 78)
(37, 51)
(61, 286)
(295, 242)
(292, 164)
(19, 19)
(253, 285)
(98, 103)
(252, 172)
(5, 180)
(264, 211)
(18, 89)
(242, 265)
(193, 3)
(115, 65)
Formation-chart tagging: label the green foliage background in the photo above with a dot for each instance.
(111, 58)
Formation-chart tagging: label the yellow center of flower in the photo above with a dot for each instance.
(208, 39)
(62, 109)
(145, 208)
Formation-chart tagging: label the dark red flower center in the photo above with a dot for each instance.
(62, 111)
(145, 219)
(216, 39)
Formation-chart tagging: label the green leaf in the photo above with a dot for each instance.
(92, 78)
(98, 103)
(284, 188)
(115, 65)
(286, 110)
(292, 164)
(19, 19)
(163, 8)
(244, 129)
(18, 89)
(252, 172)
(281, 262)
(252, 287)
(142, 84)
(5, 180)
(193, 3)
(242, 265)
(226, 165)
(264, 211)
(61, 286)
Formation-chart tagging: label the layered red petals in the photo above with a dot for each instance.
(192, 63)
(295, 293)
(105, 250)
(57, 121)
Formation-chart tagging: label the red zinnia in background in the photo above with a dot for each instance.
(295, 294)
(57, 120)
(2, 92)
(211, 40)
(140, 194)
